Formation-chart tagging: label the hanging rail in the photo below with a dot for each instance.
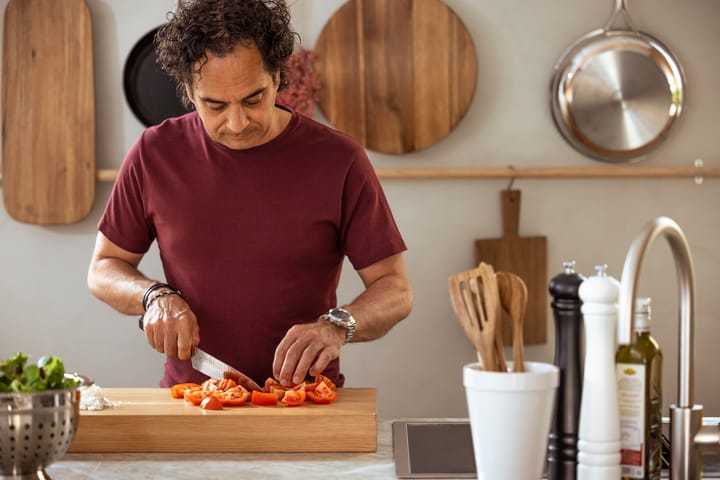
(418, 173)
(698, 172)
(548, 172)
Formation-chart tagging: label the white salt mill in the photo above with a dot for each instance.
(599, 426)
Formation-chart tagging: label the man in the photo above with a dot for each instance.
(254, 208)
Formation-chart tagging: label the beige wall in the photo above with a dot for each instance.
(417, 367)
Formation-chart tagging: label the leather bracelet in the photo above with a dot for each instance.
(162, 294)
(154, 287)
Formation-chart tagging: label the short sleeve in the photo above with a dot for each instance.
(369, 232)
(124, 221)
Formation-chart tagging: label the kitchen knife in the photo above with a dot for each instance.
(213, 367)
(216, 368)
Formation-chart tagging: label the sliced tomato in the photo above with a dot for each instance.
(325, 380)
(322, 393)
(264, 398)
(218, 384)
(195, 395)
(273, 386)
(270, 383)
(322, 398)
(294, 397)
(178, 390)
(211, 402)
(233, 397)
(310, 386)
(278, 391)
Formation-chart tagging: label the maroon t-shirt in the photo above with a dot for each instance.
(254, 239)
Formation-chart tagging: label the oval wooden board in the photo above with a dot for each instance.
(48, 111)
(397, 75)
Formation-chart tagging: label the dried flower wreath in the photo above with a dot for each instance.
(301, 92)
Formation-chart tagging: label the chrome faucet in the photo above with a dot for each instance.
(688, 437)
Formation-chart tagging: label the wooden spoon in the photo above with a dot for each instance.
(513, 296)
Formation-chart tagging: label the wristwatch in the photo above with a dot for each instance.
(341, 318)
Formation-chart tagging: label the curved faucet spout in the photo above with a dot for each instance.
(663, 226)
(685, 416)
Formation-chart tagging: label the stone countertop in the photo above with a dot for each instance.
(192, 466)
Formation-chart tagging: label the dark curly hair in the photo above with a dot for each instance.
(218, 26)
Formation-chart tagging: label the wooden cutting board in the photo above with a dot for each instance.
(524, 256)
(397, 75)
(48, 112)
(149, 420)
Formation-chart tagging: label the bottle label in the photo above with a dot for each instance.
(631, 401)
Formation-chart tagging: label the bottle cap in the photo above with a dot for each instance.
(642, 314)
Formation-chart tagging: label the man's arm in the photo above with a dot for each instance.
(113, 277)
(387, 298)
(308, 348)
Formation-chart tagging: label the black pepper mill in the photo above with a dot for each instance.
(563, 438)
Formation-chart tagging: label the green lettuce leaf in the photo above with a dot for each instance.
(47, 374)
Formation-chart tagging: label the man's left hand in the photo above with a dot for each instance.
(307, 348)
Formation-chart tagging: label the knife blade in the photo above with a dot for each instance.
(213, 367)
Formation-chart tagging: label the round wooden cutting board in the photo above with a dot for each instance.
(397, 75)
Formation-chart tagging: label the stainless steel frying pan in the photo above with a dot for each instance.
(617, 92)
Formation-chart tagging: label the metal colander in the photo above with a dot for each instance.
(36, 429)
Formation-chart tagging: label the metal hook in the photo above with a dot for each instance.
(512, 177)
(698, 164)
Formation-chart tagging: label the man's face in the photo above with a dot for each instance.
(235, 98)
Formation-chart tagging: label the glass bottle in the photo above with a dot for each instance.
(639, 376)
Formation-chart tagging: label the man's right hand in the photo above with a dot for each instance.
(171, 326)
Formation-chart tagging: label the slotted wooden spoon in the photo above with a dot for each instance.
(513, 297)
(475, 301)
(464, 306)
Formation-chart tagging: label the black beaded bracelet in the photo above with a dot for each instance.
(154, 287)
(162, 294)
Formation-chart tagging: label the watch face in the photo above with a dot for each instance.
(340, 314)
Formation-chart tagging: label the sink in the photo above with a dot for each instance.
(426, 448)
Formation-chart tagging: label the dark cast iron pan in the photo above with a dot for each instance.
(149, 91)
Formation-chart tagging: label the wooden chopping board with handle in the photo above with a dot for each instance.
(527, 258)
(48, 111)
(396, 75)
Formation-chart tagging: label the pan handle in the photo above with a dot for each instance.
(620, 7)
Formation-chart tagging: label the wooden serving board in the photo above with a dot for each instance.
(149, 420)
(48, 111)
(527, 258)
(396, 75)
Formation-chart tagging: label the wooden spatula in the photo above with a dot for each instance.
(513, 296)
(476, 304)
(493, 311)
(464, 306)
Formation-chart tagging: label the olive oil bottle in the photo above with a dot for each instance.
(639, 381)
